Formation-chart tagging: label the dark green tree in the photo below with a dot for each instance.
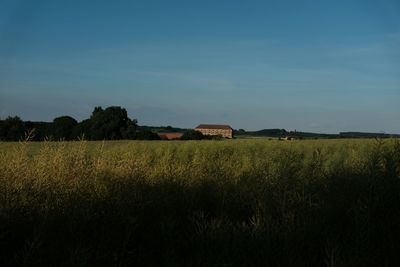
(131, 130)
(146, 135)
(41, 130)
(63, 128)
(193, 135)
(108, 124)
(82, 130)
(12, 129)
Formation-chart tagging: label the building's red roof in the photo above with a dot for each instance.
(214, 126)
(170, 136)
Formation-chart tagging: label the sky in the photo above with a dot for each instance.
(317, 66)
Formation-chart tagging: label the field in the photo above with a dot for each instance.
(200, 203)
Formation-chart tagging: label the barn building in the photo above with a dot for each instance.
(215, 129)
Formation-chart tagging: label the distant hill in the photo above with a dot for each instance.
(280, 133)
(158, 129)
(367, 135)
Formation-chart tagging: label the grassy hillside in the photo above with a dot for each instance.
(200, 203)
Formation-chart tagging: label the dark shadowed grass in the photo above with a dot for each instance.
(239, 203)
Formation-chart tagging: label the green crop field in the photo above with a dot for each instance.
(200, 203)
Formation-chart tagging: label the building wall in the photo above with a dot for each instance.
(227, 133)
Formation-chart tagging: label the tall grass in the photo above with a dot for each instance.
(200, 203)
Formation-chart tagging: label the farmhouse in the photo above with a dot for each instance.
(215, 129)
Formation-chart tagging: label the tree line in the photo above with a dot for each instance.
(111, 123)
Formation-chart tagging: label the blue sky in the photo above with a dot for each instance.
(322, 66)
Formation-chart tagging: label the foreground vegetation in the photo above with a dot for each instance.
(200, 203)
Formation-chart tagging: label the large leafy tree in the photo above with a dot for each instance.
(110, 123)
(63, 128)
